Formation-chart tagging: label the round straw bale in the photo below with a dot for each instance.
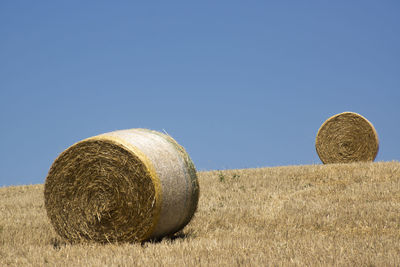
(128, 185)
(347, 137)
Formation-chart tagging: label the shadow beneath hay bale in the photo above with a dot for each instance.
(170, 238)
(57, 243)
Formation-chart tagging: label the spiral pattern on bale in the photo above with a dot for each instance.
(347, 137)
(124, 186)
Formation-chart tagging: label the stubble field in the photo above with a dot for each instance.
(339, 214)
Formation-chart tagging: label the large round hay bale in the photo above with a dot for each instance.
(347, 137)
(128, 185)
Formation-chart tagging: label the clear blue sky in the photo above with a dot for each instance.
(240, 84)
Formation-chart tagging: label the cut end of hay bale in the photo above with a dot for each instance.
(347, 137)
(114, 187)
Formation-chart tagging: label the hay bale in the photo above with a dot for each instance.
(128, 185)
(347, 137)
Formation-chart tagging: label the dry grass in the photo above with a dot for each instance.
(334, 214)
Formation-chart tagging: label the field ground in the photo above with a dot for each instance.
(347, 215)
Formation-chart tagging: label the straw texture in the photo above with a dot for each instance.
(347, 137)
(129, 185)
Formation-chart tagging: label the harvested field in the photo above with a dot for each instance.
(336, 214)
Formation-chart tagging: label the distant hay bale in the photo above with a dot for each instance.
(347, 137)
(128, 185)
